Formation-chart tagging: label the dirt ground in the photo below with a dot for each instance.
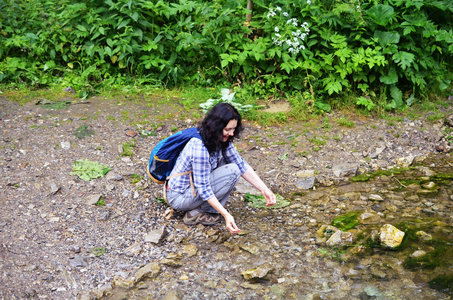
(54, 242)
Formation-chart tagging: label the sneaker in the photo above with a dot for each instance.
(203, 218)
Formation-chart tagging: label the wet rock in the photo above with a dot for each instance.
(172, 260)
(375, 197)
(369, 218)
(425, 171)
(390, 236)
(251, 248)
(418, 253)
(259, 272)
(305, 183)
(151, 270)
(120, 281)
(345, 170)
(377, 207)
(429, 185)
(405, 162)
(424, 236)
(340, 238)
(325, 232)
(372, 291)
(156, 236)
(190, 250)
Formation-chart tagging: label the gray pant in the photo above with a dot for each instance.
(223, 180)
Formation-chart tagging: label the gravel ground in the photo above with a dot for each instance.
(56, 244)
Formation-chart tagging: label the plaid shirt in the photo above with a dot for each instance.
(195, 157)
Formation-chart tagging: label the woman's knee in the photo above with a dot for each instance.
(233, 169)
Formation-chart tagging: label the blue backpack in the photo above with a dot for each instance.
(163, 156)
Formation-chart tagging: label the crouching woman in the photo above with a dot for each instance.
(215, 167)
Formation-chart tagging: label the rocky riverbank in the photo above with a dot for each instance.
(62, 237)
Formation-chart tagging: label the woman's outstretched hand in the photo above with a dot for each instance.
(269, 196)
(230, 224)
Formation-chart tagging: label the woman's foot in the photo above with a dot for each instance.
(203, 218)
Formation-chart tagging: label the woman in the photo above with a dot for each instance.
(216, 167)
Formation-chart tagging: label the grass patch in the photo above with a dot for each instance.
(345, 122)
(135, 178)
(128, 149)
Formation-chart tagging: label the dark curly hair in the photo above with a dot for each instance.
(211, 128)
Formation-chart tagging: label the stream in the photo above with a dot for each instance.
(283, 254)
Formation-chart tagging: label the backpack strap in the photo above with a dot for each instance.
(176, 175)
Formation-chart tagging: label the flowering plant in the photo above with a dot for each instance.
(291, 34)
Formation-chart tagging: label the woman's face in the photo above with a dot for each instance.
(229, 130)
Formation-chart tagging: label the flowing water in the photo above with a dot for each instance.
(282, 254)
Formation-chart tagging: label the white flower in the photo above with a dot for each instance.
(285, 14)
(278, 8)
(308, 2)
(278, 35)
(276, 29)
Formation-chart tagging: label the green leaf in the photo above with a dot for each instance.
(81, 28)
(397, 95)
(391, 78)
(323, 106)
(444, 84)
(385, 38)
(87, 170)
(381, 14)
(403, 59)
(259, 202)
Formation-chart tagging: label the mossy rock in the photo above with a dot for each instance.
(347, 221)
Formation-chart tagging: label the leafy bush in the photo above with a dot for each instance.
(391, 50)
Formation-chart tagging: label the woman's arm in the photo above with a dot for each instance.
(229, 220)
(251, 176)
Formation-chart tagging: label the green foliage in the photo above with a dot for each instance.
(347, 221)
(87, 170)
(395, 51)
(98, 251)
(227, 97)
(100, 202)
(259, 201)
